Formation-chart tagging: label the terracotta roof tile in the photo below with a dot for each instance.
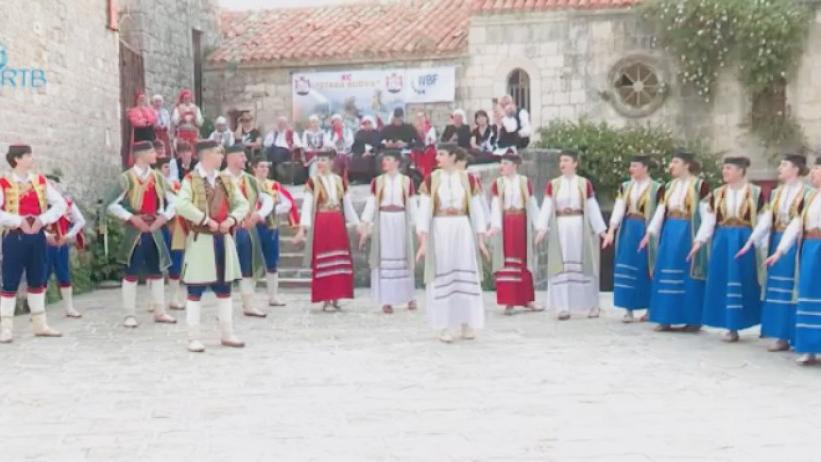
(510, 6)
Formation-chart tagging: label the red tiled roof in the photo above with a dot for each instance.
(510, 6)
(405, 29)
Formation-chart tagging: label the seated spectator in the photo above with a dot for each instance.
(249, 136)
(398, 134)
(423, 152)
(221, 134)
(514, 126)
(483, 139)
(314, 140)
(281, 144)
(340, 139)
(365, 145)
(457, 131)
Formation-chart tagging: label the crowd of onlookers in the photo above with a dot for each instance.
(356, 145)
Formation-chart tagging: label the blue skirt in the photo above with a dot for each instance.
(631, 275)
(733, 296)
(808, 314)
(778, 311)
(270, 246)
(675, 297)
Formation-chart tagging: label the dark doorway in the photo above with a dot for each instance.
(132, 80)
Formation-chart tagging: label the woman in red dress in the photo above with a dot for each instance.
(187, 118)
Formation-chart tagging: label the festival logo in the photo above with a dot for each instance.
(424, 83)
(302, 86)
(394, 83)
(19, 77)
(4, 57)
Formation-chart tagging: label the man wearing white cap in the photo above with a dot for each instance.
(221, 133)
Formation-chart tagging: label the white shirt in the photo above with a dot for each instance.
(569, 197)
(77, 220)
(509, 122)
(636, 188)
(393, 194)
(225, 138)
(57, 205)
(676, 197)
(116, 208)
(762, 229)
(332, 200)
(278, 139)
(265, 201)
(734, 198)
(451, 194)
(343, 145)
(512, 200)
(314, 140)
(794, 229)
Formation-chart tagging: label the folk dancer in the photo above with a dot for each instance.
(61, 235)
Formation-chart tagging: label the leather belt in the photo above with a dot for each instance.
(329, 208)
(568, 212)
(814, 233)
(514, 211)
(392, 208)
(450, 212)
(735, 222)
(636, 216)
(677, 214)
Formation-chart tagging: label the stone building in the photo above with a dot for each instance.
(561, 60)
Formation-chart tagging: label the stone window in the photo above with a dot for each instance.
(518, 86)
(770, 104)
(638, 86)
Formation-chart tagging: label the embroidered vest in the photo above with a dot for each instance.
(26, 200)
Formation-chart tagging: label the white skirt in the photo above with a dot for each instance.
(393, 282)
(572, 290)
(454, 297)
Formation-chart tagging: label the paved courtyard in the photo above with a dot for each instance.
(363, 386)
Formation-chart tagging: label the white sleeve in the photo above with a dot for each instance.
(231, 139)
(708, 223)
(199, 120)
(654, 228)
(348, 139)
(283, 205)
(431, 137)
(267, 205)
(175, 116)
(509, 123)
(269, 140)
(791, 235)
(618, 213)
(533, 210)
(477, 214)
(77, 221)
(762, 229)
(174, 168)
(57, 206)
(543, 221)
(594, 216)
(495, 213)
(8, 220)
(524, 121)
(116, 208)
(350, 212)
(297, 141)
(170, 206)
(370, 210)
(423, 214)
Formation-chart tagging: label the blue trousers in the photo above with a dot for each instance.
(270, 246)
(175, 269)
(245, 251)
(57, 263)
(24, 252)
(145, 258)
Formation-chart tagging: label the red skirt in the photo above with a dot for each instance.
(514, 282)
(424, 159)
(189, 136)
(331, 263)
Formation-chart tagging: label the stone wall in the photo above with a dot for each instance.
(162, 31)
(266, 90)
(73, 120)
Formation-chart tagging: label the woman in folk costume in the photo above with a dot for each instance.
(805, 232)
(145, 204)
(314, 140)
(142, 118)
(423, 152)
(212, 205)
(571, 214)
(269, 229)
(388, 218)
(340, 139)
(61, 235)
(249, 245)
(27, 204)
(187, 118)
(786, 204)
(451, 225)
(326, 208)
(732, 297)
(634, 208)
(677, 291)
(513, 214)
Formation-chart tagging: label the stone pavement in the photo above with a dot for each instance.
(363, 386)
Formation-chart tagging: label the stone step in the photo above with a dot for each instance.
(290, 260)
(294, 283)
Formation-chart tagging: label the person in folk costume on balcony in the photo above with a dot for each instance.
(249, 246)
(634, 208)
(786, 204)
(212, 205)
(514, 125)
(804, 231)
(423, 151)
(61, 235)
(187, 118)
(174, 234)
(388, 220)
(512, 219)
(185, 161)
(732, 294)
(162, 125)
(571, 220)
(281, 144)
(340, 139)
(677, 290)
(269, 229)
(326, 207)
(314, 140)
(145, 203)
(451, 226)
(28, 204)
(142, 118)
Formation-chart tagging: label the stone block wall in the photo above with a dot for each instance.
(73, 120)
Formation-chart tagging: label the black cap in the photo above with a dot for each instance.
(234, 148)
(395, 153)
(642, 159)
(573, 154)
(796, 159)
(449, 147)
(329, 153)
(739, 161)
(18, 150)
(399, 112)
(684, 155)
(142, 146)
(207, 144)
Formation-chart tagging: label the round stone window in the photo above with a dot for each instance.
(638, 86)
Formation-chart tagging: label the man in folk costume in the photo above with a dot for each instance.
(174, 235)
(145, 203)
(249, 247)
(512, 218)
(732, 298)
(451, 225)
(388, 219)
(805, 231)
(326, 207)
(61, 235)
(27, 205)
(677, 290)
(786, 204)
(281, 144)
(212, 205)
(635, 205)
(571, 216)
(269, 229)
(187, 118)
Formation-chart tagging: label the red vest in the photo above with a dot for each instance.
(150, 200)
(28, 203)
